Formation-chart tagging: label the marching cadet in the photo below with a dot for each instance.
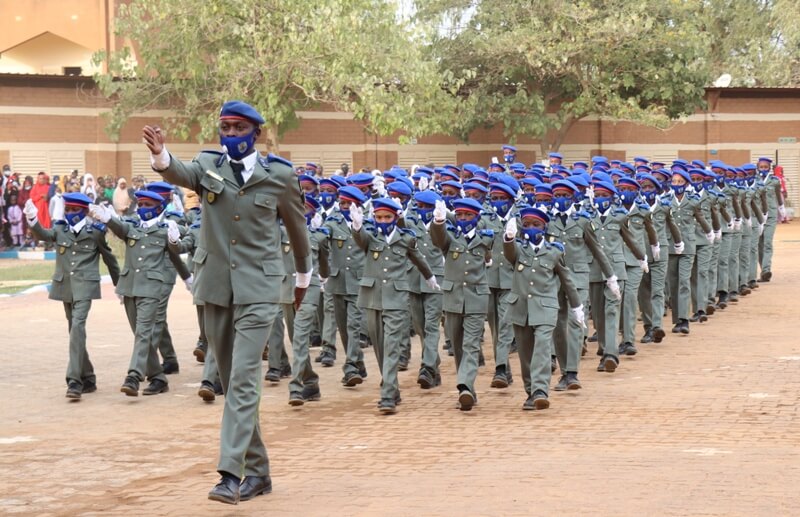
(326, 320)
(736, 236)
(652, 288)
(699, 277)
(426, 303)
(346, 268)
(533, 301)
(304, 385)
(278, 363)
(641, 228)
(468, 252)
(720, 219)
(756, 187)
(731, 212)
(499, 275)
(143, 282)
(572, 227)
(772, 205)
(239, 270)
(609, 223)
(384, 288)
(686, 212)
(746, 198)
(76, 281)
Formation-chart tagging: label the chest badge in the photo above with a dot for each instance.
(131, 242)
(211, 197)
(376, 254)
(340, 243)
(286, 248)
(455, 255)
(520, 267)
(61, 250)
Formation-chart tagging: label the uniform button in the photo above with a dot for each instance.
(241, 192)
(349, 247)
(530, 296)
(533, 270)
(387, 258)
(384, 281)
(233, 241)
(294, 274)
(465, 283)
(71, 263)
(531, 283)
(385, 270)
(74, 252)
(347, 268)
(236, 217)
(137, 271)
(466, 272)
(466, 262)
(502, 264)
(347, 258)
(143, 246)
(72, 272)
(233, 266)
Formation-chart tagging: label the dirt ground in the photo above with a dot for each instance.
(706, 424)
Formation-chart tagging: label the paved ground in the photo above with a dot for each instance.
(701, 425)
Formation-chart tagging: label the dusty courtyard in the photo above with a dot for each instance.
(706, 424)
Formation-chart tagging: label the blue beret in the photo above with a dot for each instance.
(471, 167)
(308, 179)
(159, 186)
(312, 165)
(616, 173)
(564, 184)
(643, 168)
(556, 155)
(680, 161)
(529, 211)
(599, 159)
(538, 166)
(312, 202)
(647, 177)
(480, 173)
(517, 166)
(452, 167)
(399, 170)
(509, 181)
(361, 179)
(400, 188)
(598, 168)
(474, 185)
(544, 188)
(628, 181)
(699, 164)
(662, 172)
(146, 194)
(384, 203)
(405, 181)
(765, 159)
(531, 181)
(683, 173)
(340, 180)
(239, 110)
(451, 183)
(448, 174)
(496, 166)
(352, 193)
(510, 147)
(605, 185)
(76, 198)
(579, 180)
(748, 167)
(429, 197)
(468, 204)
(424, 170)
(390, 174)
(502, 187)
(480, 180)
(653, 164)
(616, 162)
(718, 164)
(559, 168)
(580, 164)
(419, 175)
(627, 166)
(679, 166)
(533, 174)
(330, 182)
(600, 177)
(641, 159)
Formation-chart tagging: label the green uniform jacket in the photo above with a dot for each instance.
(465, 288)
(641, 228)
(500, 274)
(611, 234)
(77, 274)
(238, 260)
(384, 283)
(346, 258)
(686, 215)
(433, 256)
(661, 219)
(534, 295)
(705, 202)
(580, 245)
(318, 242)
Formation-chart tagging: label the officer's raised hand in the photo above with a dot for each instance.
(173, 233)
(439, 211)
(511, 229)
(153, 139)
(357, 215)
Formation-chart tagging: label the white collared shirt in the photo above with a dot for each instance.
(249, 163)
(78, 227)
(160, 162)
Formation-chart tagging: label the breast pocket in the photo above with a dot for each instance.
(265, 201)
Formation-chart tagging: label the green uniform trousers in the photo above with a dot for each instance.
(699, 277)
(201, 324)
(679, 272)
(426, 312)
(630, 303)
(501, 329)
(164, 343)
(210, 369)
(605, 315)
(326, 322)
(79, 367)
(349, 319)
(724, 266)
(142, 315)
(569, 334)
(651, 294)
(711, 292)
(237, 334)
(386, 329)
(534, 346)
(302, 372)
(744, 257)
(276, 348)
(465, 337)
(733, 263)
(765, 244)
(753, 271)
(405, 342)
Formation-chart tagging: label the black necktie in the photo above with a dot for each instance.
(602, 219)
(564, 219)
(237, 172)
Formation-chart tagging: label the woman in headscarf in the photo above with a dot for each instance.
(39, 196)
(88, 187)
(123, 199)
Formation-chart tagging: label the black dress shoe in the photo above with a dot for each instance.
(89, 387)
(540, 400)
(200, 351)
(695, 317)
(170, 367)
(733, 297)
(352, 379)
(447, 345)
(562, 384)
(315, 342)
(627, 349)
(466, 400)
(676, 328)
(253, 486)
(286, 371)
(273, 375)
(752, 284)
(74, 390)
(572, 381)
(702, 316)
(425, 379)
(362, 369)
(206, 391)
(327, 359)
(311, 393)
(130, 386)
(296, 399)
(218, 389)
(601, 367)
(610, 363)
(500, 379)
(593, 338)
(387, 406)
(710, 309)
(648, 336)
(226, 491)
(402, 364)
(658, 335)
(363, 341)
(744, 290)
(683, 327)
(766, 276)
(155, 387)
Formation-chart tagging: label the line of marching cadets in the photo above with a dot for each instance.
(535, 251)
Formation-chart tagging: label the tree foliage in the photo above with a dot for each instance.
(351, 55)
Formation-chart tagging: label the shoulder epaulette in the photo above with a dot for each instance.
(643, 206)
(61, 222)
(694, 195)
(130, 220)
(271, 158)
(163, 225)
(175, 213)
(210, 151)
(487, 233)
(335, 218)
(322, 229)
(666, 202)
(620, 210)
(99, 226)
(557, 245)
(195, 224)
(408, 231)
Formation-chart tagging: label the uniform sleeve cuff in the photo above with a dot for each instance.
(160, 162)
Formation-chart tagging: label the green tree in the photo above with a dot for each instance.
(352, 55)
(539, 67)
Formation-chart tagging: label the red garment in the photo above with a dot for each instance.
(39, 197)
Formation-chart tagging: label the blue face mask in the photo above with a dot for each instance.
(448, 201)
(666, 185)
(650, 196)
(530, 198)
(533, 235)
(580, 196)
(346, 214)
(309, 216)
(238, 146)
(763, 172)
(708, 185)
(467, 226)
(509, 158)
(501, 207)
(425, 214)
(327, 199)
(76, 217)
(386, 228)
(545, 206)
(697, 186)
(678, 189)
(147, 213)
(740, 182)
(628, 196)
(562, 204)
(602, 203)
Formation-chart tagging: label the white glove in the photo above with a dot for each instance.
(511, 229)
(644, 266)
(173, 233)
(577, 315)
(495, 160)
(30, 211)
(737, 225)
(656, 249)
(121, 299)
(679, 247)
(761, 228)
(423, 183)
(379, 184)
(189, 282)
(710, 237)
(613, 286)
(399, 203)
(782, 211)
(717, 235)
(322, 282)
(439, 211)
(749, 222)
(316, 221)
(731, 225)
(433, 284)
(100, 213)
(357, 216)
